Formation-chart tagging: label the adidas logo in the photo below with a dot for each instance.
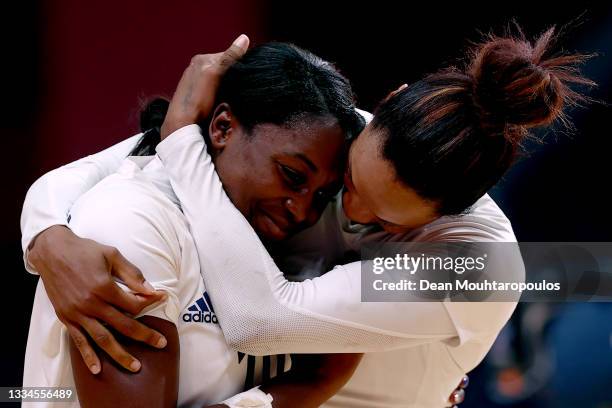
(201, 311)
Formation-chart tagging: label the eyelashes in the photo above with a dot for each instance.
(294, 178)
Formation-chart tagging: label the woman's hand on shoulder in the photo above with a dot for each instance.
(79, 278)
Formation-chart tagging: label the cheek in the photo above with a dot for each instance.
(235, 174)
(245, 172)
(262, 187)
(264, 184)
(355, 210)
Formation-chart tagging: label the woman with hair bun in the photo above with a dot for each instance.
(418, 172)
(452, 135)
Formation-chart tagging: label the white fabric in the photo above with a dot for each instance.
(135, 211)
(253, 398)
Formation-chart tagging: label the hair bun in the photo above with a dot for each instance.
(515, 84)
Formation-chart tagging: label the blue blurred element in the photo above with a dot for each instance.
(557, 356)
(581, 341)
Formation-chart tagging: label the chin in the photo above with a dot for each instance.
(270, 239)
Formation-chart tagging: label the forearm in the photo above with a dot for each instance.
(323, 315)
(313, 379)
(312, 385)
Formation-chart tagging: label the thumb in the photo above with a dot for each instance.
(241, 44)
(398, 90)
(238, 48)
(130, 274)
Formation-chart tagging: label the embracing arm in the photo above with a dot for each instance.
(117, 214)
(79, 273)
(313, 379)
(271, 315)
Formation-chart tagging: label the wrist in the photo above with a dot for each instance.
(37, 247)
(172, 124)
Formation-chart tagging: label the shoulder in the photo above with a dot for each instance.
(485, 221)
(127, 211)
(486, 224)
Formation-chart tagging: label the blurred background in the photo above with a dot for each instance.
(77, 72)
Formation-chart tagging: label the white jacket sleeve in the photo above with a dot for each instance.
(49, 199)
(259, 311)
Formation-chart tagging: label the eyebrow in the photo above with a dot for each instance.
(307, 161)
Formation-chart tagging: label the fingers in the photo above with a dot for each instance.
(238, 48)
(128, 273)
(107, 342)
(242, 42)
(400, 89)
(132, 328)
(458, 395)
(133, 303)
(393, 93)
(87, 353)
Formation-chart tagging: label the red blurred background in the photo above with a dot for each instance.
(100, 62)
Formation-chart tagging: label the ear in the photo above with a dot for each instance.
(222, 126)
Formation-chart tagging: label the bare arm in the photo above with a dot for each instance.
(313, 379)
(155, 385)
(65, 261)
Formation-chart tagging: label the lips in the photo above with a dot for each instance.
(274, 226)
(281, 222)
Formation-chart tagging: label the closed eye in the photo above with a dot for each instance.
(393, 228)
(293, 177)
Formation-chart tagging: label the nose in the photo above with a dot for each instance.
(303, 210)
(299, 207)
(354, 208)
